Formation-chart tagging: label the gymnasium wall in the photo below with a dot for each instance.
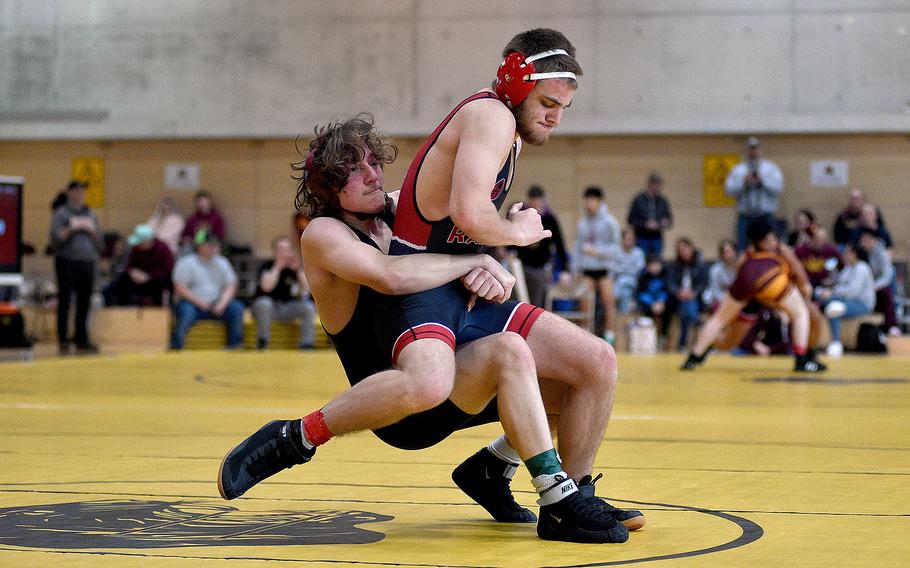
(113, 69)
(251, 179)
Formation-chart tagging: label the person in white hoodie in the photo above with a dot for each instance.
(597, 243)
(853, 294)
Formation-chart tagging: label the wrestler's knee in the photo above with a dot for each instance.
(601, 370)
(512, 354)
(426, 392)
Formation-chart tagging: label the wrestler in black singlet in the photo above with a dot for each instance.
(361, 356)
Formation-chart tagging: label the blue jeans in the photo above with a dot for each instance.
(688, 311)
(624, 290)
(652, 245)
(854, 308)
(187, 314)
(743, 222)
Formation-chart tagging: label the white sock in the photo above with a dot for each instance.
(553, 488)
(501, 448)
(306, 443)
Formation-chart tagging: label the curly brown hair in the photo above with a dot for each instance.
(323, 171)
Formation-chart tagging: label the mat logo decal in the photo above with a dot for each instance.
(157, 524)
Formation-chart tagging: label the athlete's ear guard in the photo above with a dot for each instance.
(517, 76)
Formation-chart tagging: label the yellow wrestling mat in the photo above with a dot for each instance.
(111, 461)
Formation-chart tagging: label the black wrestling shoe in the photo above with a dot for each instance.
(276, 446)
(576, 518)
(692, 362)
(631, 518)
(809, 364)
(485, 478)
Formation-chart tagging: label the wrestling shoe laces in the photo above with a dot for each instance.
(631, 518)
(487, 480)
(271, 449)
(575, 518)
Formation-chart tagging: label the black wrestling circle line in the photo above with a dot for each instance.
(751, 532)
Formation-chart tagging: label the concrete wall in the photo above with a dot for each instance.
(251, 179)
(109, 69)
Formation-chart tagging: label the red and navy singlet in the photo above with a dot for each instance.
(413, 232)
(441, 313)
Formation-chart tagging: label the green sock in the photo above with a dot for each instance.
(544, 463)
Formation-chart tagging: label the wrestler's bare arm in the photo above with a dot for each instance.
(486, 135)
(329, 247)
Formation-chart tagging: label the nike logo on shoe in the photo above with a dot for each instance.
(555, 518)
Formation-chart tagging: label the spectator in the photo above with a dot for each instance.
(538, 259)
(803, 226)
(206, 285)
(853, 294)
(756, 183)
(869, 219)
(627, 266)
(147, 274)
(651, 293)
(721, 274)
(650, 216)
(819, 257)
(205, 218)
(596, 244)
(883, 272)
(168, 224)
(115, 255)
(75, 238)
(849, 219)
(687, 277)
(284, 295)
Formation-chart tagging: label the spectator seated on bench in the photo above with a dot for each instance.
(853, 294)
(205, 285)
(283, 294)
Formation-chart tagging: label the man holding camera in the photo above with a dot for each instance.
(756, 183)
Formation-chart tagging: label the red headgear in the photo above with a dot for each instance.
(517, 76)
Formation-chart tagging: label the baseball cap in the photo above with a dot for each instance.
(203, 236)
(76, 184)
(753, 142)
(141, 234)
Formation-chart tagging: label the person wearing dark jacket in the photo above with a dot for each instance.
(147, 274)
(651, 292)
(650, 216)
(544, 259)
(687, 277)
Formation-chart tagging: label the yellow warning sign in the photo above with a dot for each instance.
(91, 171)
(715, 170)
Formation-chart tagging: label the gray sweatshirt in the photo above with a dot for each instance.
(80, 245)
(880, 263)
(602, 231)
(856, 283)
(720, 278)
